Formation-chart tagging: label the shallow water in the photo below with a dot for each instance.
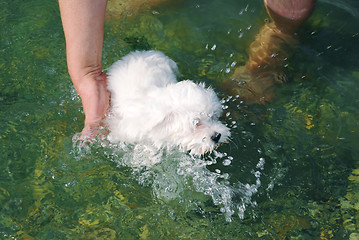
(291, 168)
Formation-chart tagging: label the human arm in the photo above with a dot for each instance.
(83, 24)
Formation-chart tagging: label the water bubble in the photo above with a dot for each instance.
(338, 48)
(225, 176)
(229, 98)
(180, 171)
(270, 186)
(226, 162)
(258, 181)
(257, 174)
(260, 164)
(68, 184)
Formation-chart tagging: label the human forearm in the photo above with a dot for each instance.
(83, 24)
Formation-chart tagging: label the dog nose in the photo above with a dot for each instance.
(215, 137)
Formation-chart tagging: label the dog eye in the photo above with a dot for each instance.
(196, 122)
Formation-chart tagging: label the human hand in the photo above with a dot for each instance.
(95, 101)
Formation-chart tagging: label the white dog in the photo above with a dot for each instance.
(149, 105)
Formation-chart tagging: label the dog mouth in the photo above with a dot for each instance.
(205, 146)
(199, 151)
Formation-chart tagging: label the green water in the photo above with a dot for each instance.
(291, 170)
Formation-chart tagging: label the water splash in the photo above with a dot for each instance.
(180, 177)
(175, 176)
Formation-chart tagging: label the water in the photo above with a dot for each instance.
(289, 172)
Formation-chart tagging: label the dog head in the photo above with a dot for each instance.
(192, 121)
